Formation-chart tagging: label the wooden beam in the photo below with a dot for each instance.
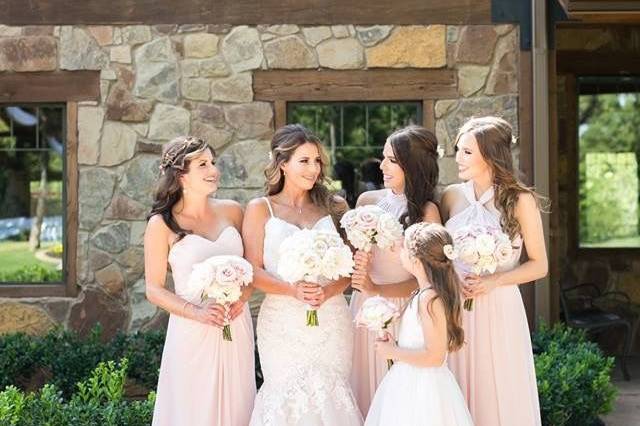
(369, 85)
(247, 12)
(525, 133)
(280, 113)
(429, 115)
(49, 86)
(72, 214)
(554, 194)
(589, 63)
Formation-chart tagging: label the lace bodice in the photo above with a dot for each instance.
(306, 369)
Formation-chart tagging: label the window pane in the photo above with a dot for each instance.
(609, 146)
(354, 134)
(32, 140)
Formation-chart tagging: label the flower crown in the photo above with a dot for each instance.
(169, 158)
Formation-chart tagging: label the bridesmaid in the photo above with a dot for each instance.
(495, 366)
(203, 379)
(410, 175)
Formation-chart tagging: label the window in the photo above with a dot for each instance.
(354, 134)
(52, 98)
(609, 152)
(32, 193)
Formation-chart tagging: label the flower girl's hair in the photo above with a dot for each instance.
(174, 162)
(416, 150)
(283, 144)
(495, 138)
(426, 242)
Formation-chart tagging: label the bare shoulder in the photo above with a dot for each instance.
(231, 210)
(430, 303)
(157, 229)
(526, 202)
(431, 213)
(451, 194)
(370, 197)
(157, 224)
(257, 207)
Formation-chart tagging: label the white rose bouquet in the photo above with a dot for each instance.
(314, 256)
(369, 225)
(480, 248)
(220, 278)
(377, 313)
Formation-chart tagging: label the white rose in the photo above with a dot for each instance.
(226, 275)
(360, 240)
(485, 244)
(388, 231)
(366, 219)
(467, 253)
(450, 251)
(504, 253)
(487, 263)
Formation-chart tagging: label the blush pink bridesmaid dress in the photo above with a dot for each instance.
(205, 380)
(368, 367)
(495, 367)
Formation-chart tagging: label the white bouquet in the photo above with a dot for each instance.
(482, 249)
(369, 225)
(377, 313)
(314, 256)
(220, 278)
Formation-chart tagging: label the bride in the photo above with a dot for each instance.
(306, 369)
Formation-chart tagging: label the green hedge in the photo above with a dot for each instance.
(96, 401)
(62, 358)
(574, 378)
(32, 274)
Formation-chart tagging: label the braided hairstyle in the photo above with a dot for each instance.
(176, 156)
(426, 242)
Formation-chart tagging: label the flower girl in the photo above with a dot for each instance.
(419, 389)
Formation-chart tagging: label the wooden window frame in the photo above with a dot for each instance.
(68, 87)
(572, 65)
(280, 87)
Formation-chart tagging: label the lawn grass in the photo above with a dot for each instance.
(16, 254)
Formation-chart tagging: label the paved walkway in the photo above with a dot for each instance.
(627, 406)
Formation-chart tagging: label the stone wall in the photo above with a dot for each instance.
(161, 81)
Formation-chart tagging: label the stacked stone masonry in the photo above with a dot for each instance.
(158, 82)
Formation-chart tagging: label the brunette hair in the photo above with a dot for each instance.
(426, 242)
(283, 144)
(495, 137)
(416, 150)
(176, 157)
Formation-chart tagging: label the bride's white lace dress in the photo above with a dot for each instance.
(306, 369)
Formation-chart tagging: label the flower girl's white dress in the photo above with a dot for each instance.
(420, 396)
